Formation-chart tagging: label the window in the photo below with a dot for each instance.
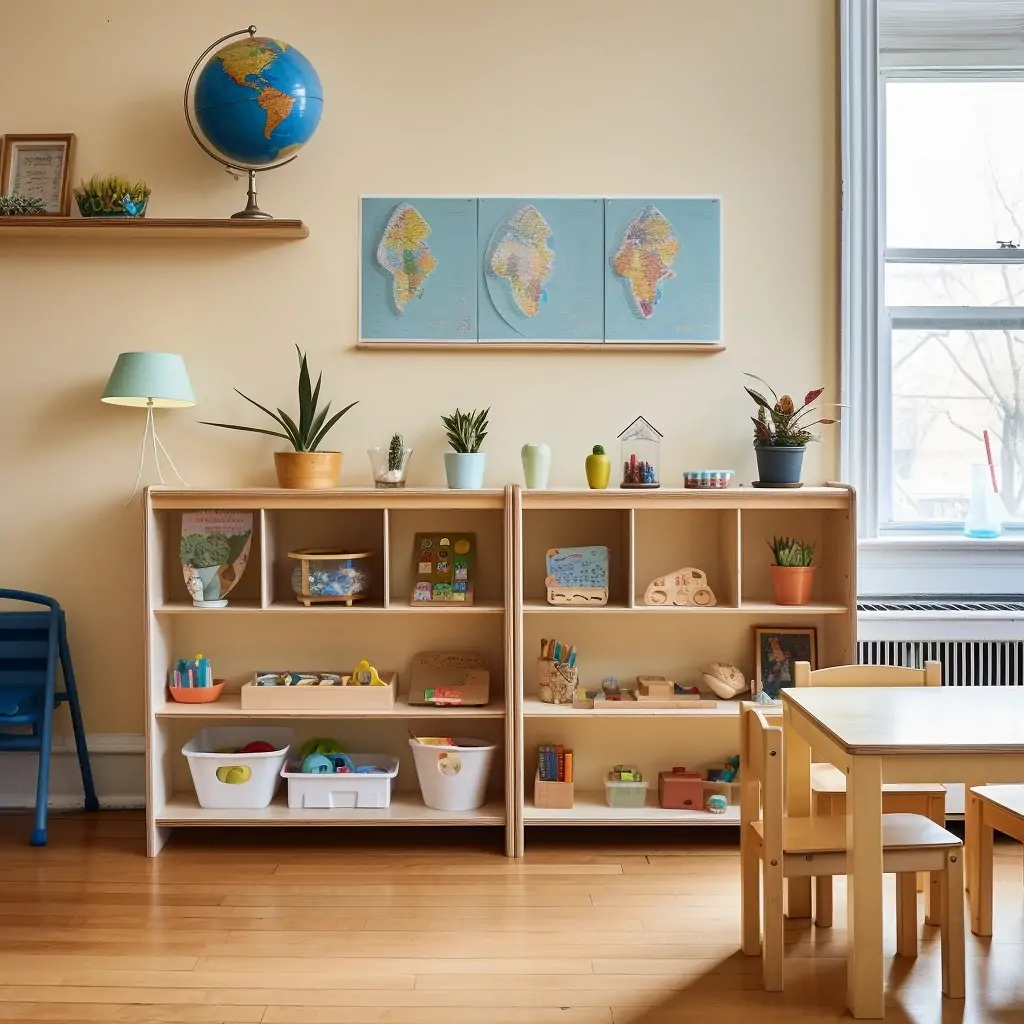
(953, 291)
(933, 286)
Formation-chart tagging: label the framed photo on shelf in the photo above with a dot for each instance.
(776, 651)
(39, 166)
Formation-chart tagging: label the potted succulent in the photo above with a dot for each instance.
(464, 464)
(21, 206)
(112, 197)
(793, 571)
(781, 434)
(389, 465)
(305, 466)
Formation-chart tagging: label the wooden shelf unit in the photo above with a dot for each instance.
(264, 626)
(150, 227)
(648, 533)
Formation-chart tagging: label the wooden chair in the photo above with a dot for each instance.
(814, 846)
(989, 809)
(828, 784)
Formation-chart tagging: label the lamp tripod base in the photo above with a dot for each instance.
(252, 210)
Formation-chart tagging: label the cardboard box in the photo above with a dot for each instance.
(450, 679)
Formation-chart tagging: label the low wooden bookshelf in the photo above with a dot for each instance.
(648, 533)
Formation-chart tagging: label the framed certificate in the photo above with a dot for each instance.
(39, 166)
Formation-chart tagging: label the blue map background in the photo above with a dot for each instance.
(574, 310)
(690, 308)
(447, 309)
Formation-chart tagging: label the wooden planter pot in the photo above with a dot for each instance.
(312, 471)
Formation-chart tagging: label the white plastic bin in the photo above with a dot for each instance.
(453, 777)
(225, 781)
(343, 789)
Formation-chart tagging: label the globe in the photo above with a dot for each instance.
(258, 101)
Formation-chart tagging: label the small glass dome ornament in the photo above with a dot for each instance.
(641, 455)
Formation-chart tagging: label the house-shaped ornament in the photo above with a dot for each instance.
(641, 455)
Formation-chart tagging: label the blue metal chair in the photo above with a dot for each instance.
(31, 644)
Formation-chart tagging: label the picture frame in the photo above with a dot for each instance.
(776, 650)
(39, 166)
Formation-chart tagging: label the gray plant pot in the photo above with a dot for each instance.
(777, 465)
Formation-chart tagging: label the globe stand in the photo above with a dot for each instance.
(252, 210)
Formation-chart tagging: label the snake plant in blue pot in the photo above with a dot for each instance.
(464, 464)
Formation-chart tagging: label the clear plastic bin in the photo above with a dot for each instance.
(625, 792)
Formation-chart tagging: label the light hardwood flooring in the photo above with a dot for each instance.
(369, 927)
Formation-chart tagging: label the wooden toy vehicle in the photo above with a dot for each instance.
(685, 586)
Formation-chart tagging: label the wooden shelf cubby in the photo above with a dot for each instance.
(648, 533)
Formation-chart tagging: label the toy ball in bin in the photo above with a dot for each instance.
(452, 771)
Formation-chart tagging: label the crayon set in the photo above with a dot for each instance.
(555, 764)
(556, 651)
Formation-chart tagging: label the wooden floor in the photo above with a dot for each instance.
(360, 929)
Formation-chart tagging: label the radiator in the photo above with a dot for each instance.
(978, 641)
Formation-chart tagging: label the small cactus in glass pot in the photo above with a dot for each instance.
(390, 464)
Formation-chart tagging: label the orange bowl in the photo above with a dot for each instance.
(197, 694)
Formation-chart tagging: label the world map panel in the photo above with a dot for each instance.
(418, 269)
(663, 270)
(540, 269)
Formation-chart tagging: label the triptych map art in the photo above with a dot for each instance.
(541, 270)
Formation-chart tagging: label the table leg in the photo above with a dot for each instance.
(798, 805)
(865, 989)
(978, 838)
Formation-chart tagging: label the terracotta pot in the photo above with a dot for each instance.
(311, 471)
(792, 584)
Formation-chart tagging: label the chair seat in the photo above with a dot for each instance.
(828, 779)
(828, 835)
(1007, 798)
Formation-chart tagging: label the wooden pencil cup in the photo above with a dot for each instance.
(555, 796)
(556, 683)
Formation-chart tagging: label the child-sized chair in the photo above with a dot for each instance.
(989, 809)
(815, 847)
(31, 645)
(828, 784)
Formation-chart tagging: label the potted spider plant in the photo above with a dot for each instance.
(793, 570)
(305, 466)
(464, 464)
(782, 433)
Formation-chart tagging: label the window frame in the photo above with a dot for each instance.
(915, 558)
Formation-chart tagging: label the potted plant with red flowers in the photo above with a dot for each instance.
(782, 432)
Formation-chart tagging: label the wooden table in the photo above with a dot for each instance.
(887, 734)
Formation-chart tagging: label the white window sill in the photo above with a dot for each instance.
(937, 563)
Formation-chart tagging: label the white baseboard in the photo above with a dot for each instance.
(118, 769)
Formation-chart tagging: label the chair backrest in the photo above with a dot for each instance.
(28, 643)
(762, 773)
(868, 675)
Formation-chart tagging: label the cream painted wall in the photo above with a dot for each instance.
(733, 97)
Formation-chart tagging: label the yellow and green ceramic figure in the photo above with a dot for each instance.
(599, 469)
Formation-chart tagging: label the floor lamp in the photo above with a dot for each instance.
(150, 380)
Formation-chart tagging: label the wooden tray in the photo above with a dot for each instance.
(322, 698)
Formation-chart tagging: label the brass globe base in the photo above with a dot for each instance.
(252, 210)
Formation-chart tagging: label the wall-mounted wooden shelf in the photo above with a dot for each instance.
(156, 227)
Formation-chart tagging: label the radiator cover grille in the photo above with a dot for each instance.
(964, 662)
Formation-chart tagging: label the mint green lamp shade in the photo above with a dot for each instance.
(149, 378)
